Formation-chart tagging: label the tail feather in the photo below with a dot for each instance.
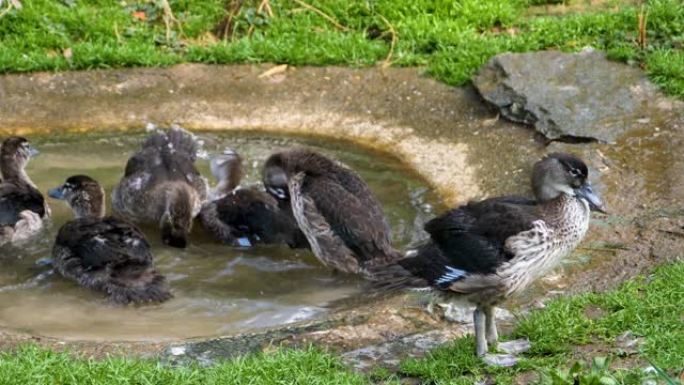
(174, 140)
(138, 287)
(425, 266)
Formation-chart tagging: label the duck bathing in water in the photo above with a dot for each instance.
(243, 216)
(162, 185)
(489, 250)
(101, 253)
(22, 206)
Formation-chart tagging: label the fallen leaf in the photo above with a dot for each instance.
(272, 71)
(68, 53)
(140, 15)
(16, 4)
(491, 122)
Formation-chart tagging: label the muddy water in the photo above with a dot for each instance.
(218, 289)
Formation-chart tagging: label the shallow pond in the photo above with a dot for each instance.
(218, 289)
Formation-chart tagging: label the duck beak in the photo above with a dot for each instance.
(32, 151)
(595, 203)
(56, 193)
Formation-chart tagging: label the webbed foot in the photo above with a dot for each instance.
(515, 346)
(505, 360)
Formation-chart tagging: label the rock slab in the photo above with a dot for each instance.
(567, 96)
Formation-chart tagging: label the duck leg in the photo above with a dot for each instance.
(491, 333)
(510, 348)
(480, 338)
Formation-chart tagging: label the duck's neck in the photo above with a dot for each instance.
(13, 172)
(89, 210)
(565, 211)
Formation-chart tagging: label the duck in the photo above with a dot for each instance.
(244, 216)
(162, 185)
(486, 251)
(104, 253)
(22, 206)
(335, 209)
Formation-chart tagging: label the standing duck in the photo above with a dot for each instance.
(104, 253)
(161, 185)
(22, 206)
(492, 249)
(245, 216)
(333, 206)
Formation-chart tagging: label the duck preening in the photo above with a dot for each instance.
(22, 206)
(243, 216)
(489, 250)
(162, 185)
(333, 206)
(104, 253)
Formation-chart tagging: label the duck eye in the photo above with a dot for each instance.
(575, 172)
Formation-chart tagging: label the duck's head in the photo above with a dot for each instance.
(83, 194)
(560, 173)
(281, 165)
(227, 168)
(14, 155)
(275, 176)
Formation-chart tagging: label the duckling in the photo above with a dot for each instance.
(333, 206)
(490, 250)
(104, 253)
(22, 206)
(245, 216)
(161, 185)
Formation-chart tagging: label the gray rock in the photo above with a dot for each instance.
(389, 354)
(564, 95)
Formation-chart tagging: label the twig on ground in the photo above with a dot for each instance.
(672, 232)
(642, 18)
(11, 4)
(225, 28)
(388, 59)
(263, 6)
(322, 14)
(170, 20)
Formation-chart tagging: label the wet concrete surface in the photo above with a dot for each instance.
(448, 135)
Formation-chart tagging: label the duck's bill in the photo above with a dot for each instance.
(595, 203)
(56, 193)
(32, 151)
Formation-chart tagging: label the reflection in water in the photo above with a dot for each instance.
(217, 289)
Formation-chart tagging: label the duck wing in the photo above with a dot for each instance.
(256, 215)
(468, 243)
(473, 236)
(108, 242)
(342, 230)
(352, 182)
(111, 256)
(16, 198)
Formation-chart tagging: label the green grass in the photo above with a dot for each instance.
(651, 308)
(36, 366)
(452, 39)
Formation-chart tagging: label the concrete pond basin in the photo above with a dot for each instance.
(447, 138)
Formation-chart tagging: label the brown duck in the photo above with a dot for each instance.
(244, 216)
(489, 250)
(334, 207)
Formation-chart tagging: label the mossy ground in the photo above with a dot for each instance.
(452, 39)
